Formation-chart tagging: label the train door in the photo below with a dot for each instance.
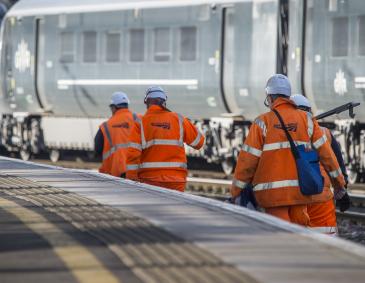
(228, 61)
(249, 37)
(21, 65)
(333, 53)
(39, 65)
(7, 66)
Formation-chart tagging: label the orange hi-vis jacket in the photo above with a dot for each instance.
(116, 133)
(323, 214)
(267, 162)
(327, 193)
(156, 151)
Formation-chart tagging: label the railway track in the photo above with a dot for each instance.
(78, 163)
(219, 189)
(214, 184)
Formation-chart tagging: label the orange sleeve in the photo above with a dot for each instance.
(134, 152)
(192, 136)
(327, 157)
(248, 158)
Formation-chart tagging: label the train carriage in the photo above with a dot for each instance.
(61, 60)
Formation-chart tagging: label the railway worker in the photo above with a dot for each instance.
(266, 160)
(112, 138)
(156, 154)
(323, 214)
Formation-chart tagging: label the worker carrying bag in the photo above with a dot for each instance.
(307, 162)
(247, 198)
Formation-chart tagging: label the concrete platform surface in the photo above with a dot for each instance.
(62, 225)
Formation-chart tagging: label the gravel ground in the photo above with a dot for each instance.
(351, 230)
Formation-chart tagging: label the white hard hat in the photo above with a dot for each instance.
(278, 84)
(119, 98)
(155, 92)
(300, 100)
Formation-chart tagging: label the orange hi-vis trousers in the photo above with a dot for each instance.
(323, 217)
(294, 213)
(178, 186)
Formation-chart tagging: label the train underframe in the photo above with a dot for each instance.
(24, 134)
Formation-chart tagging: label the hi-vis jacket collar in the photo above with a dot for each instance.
(282, 101)
(122, 110)
(155, 108)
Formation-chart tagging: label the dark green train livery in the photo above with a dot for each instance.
(61, 60)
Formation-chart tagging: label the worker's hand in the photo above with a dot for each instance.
(230, 200)
(344, 202)
(339, 193)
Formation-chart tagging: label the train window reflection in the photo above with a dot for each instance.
(112, 48)
(66, 47)
(340, 36)
(89, 46)
(162, 44)
(136, 45)
(188, 43)
(361, 50)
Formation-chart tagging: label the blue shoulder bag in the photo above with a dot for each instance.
(307, 162)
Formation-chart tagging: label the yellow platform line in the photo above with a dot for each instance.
(80, 261)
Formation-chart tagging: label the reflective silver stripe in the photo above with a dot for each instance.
(138, 120)
(163, 142)
(280, 145)
(277, 184)
(135, 145)
(132, 167)
(239, 184)
(181, 126)
(134, 116)
(252, 150)
(310, 124)
(114, 149)
(143, 139)
(108, 153)
(335, 173)
(108, 136)
(321, 141)
(121, 145)
(163, 165)
(262, 125)
(325, 230)
(197, 140)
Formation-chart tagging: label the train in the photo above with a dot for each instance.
(60, 61)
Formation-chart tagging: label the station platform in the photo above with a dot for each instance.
(64, 225)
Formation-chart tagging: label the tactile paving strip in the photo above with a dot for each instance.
(153, 254)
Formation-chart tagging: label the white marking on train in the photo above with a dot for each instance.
(359, 82)
(22, 57)
(28, 8)
(360, 85)
(340, 83)
(359, 79)
(127, 82)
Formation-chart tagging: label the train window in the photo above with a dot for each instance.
(66, 47)
(136, 45)
(162, 48)
(340, 36)
(188, 42)
(89, 46)
(361, 50)
(112, 47)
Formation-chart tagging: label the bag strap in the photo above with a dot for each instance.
(293, 148)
